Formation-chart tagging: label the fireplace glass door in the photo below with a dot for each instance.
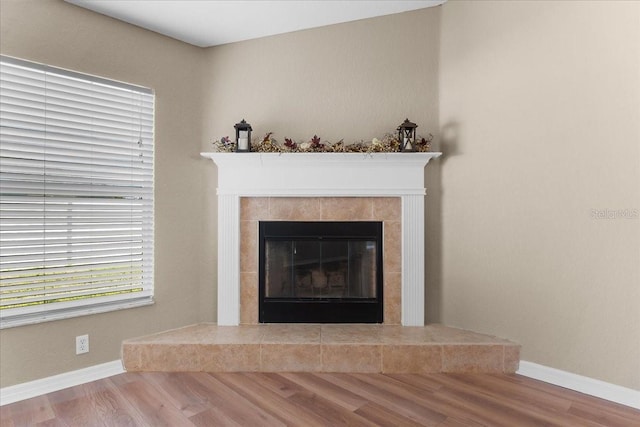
(321, 272)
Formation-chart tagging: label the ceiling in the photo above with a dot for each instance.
(207, 23)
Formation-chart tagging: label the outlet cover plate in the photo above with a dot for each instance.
(82, 344)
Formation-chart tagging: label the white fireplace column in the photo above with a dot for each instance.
(228, 259)
(321, 175)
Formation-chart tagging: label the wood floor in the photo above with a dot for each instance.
(321, 399)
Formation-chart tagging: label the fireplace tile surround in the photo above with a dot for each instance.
(384, 209)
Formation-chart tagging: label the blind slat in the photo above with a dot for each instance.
(11, 277)
(30, 281)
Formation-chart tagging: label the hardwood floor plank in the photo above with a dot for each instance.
(213, 417)
(387, 397)
(383, 417)
(335, 394)
(274, 382)
(523, 403)
(234, 404)
(153, 406)
(575, 396)
(33, 411)
(454, 422)
(278, 406)
(423, 382)
(109, 404)
(125, 378)
(428, 397)
(52, 423)
(182, 391)
(6, 420)
(499, 411)
(436, 402)
(603, 417)
(126, 405)
(498, 387)
(64, 395)
(77, 412)
(333, 414)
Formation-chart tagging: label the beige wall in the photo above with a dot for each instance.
(546, 100)
(63, 35)
(354, 81)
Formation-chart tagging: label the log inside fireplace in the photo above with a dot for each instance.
(320, 272)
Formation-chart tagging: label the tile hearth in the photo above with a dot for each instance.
(320, 348)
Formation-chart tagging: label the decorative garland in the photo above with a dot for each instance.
(388, 144)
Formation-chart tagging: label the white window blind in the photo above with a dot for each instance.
(76, 194)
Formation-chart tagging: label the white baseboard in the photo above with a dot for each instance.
(42, 386)
(586, 385)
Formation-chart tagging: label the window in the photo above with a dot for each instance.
(76, 194)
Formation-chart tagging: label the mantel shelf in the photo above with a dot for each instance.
(321, 174)
(279, 158)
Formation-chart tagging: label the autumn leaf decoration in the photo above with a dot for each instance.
(424, 144)
(290, 144)
(267, 137)
(316, 144)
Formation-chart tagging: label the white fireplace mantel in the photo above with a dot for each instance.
(321, 175)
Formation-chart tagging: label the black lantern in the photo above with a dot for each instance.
(243, 137)
(407, 136)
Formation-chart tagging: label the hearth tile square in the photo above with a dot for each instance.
(392, 242)
(346, 208)
(286, 333)
(185, 334)
(243, 334)
(412, 358)
(351, 334)
(249, 246)
(254, 208)
(170, 357)
(511, 358)
(392, 310)
(393, 334)
(294, 208)
(449, 335)
(290, 358)
(249, 298)
(387, 208)
(392, 305)
(351, 358)
(131, 357)
(230, 357)
(464, 358)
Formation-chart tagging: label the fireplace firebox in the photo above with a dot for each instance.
(320, 272)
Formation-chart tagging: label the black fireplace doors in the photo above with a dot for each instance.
(320, 272)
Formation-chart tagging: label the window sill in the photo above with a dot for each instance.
(68, 313)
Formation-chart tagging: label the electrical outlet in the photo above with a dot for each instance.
(82, 344)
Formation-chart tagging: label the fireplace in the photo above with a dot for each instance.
(320, 272)
(325, 178)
